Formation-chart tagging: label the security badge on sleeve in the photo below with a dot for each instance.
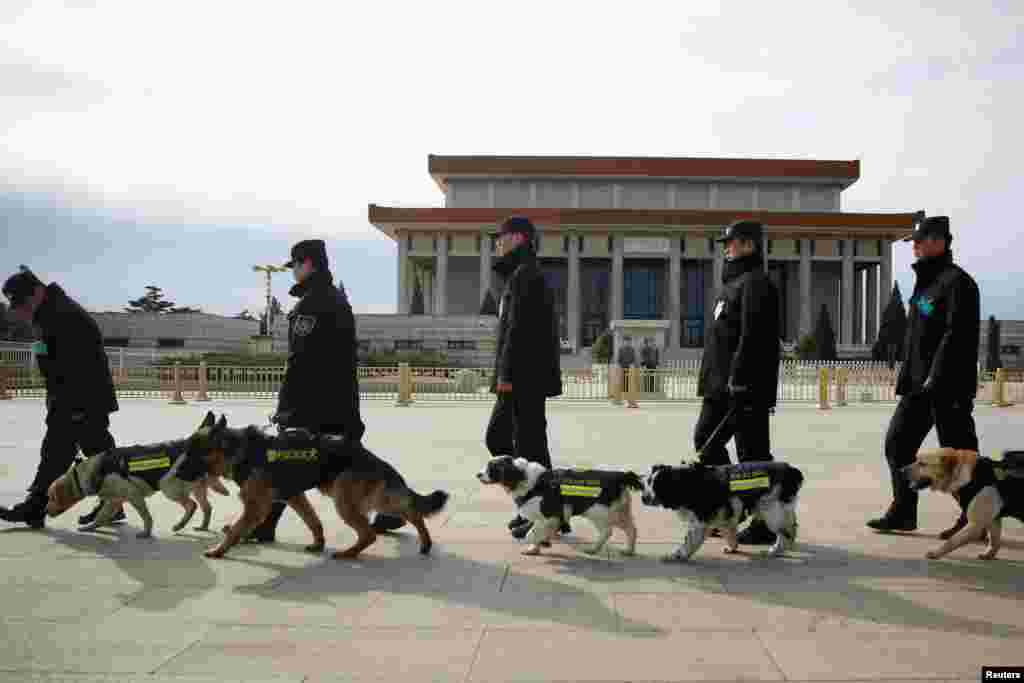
(304, 324)
(719, 308)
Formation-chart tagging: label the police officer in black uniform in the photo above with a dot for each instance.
(527, 363)
(739, 371)
(80, 392)
(320, 392)
(938, 379)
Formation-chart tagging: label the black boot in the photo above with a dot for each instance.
(25, 513)
(756, 533)
(91, 517)
(267, 531)
(385, 523)
(895, 519)
(516, 522)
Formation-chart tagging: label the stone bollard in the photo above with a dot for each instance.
(999, 390)
(615, 384)
(633, 387)
(178, 399)
(404, 385)
(6, 383)
(201, 396)
(823, 389)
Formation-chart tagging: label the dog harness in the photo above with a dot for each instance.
(575, 489)
(749, 481)
(1008, 479)
(149, 463)
(293, 462)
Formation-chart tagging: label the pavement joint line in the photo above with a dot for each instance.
(771, 657)
(185, 649)
(504, 576)
(476, 654)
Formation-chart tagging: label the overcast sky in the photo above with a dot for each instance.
(177, 144)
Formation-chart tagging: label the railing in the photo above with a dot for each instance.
(826, 384)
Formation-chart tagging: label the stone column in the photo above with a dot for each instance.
(573, 303)
(858, 305)
(846, 294)
(806, 290)
(617, 280)
(718, 265)
(884, 281)
(871, 306)
(485, 266)
(675, 286)
(442, 275)
(403, 273)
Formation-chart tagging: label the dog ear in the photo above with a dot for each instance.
(208, 420)
(222, 422)
(963, 469)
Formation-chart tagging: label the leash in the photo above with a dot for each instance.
(732, 409)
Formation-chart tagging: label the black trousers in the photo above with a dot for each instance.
(63, 438)
(914, 417)
(277, 508)
(519, 427)
(748, 425)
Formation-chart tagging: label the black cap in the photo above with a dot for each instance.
(517, 224)
(743, 230)
(933, 226)
(21, 286)
(314, 249)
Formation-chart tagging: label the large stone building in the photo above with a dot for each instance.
(628, 242)
(181, 331)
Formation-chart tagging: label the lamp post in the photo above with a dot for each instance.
(269, 270)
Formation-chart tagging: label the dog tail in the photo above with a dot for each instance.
(633, 481)
(429, 505)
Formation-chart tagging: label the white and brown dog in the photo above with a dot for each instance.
(710, 498)
(547, 498)
(986, 490)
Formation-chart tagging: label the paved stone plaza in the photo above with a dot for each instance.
(848, 605)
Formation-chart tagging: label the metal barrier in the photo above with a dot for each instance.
(828, 385)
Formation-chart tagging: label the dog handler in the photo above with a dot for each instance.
(739, 371)
(80, 392)
(320, 391)
(527, 363)
(938, 380)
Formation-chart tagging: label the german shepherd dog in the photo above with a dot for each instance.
(285, 467)
(133, 474)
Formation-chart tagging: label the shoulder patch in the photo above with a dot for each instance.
(304, 324)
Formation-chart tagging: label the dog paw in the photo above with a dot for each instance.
(532, 550)
(145, 533)
(933, 554)
(89, 527)
(345, 555)
(202, 527)
(628, 552)
(178, 527)
(215, 553)
(592, 549)
(425, 550)
(987, 555)
(673, 557)
(728, 550)
(317, 547)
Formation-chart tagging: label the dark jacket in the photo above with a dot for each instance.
(528, 354)
(74, 364)
(943, 331)
(649, 357)
(627, 356)
(743, 344)
(321, 385)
